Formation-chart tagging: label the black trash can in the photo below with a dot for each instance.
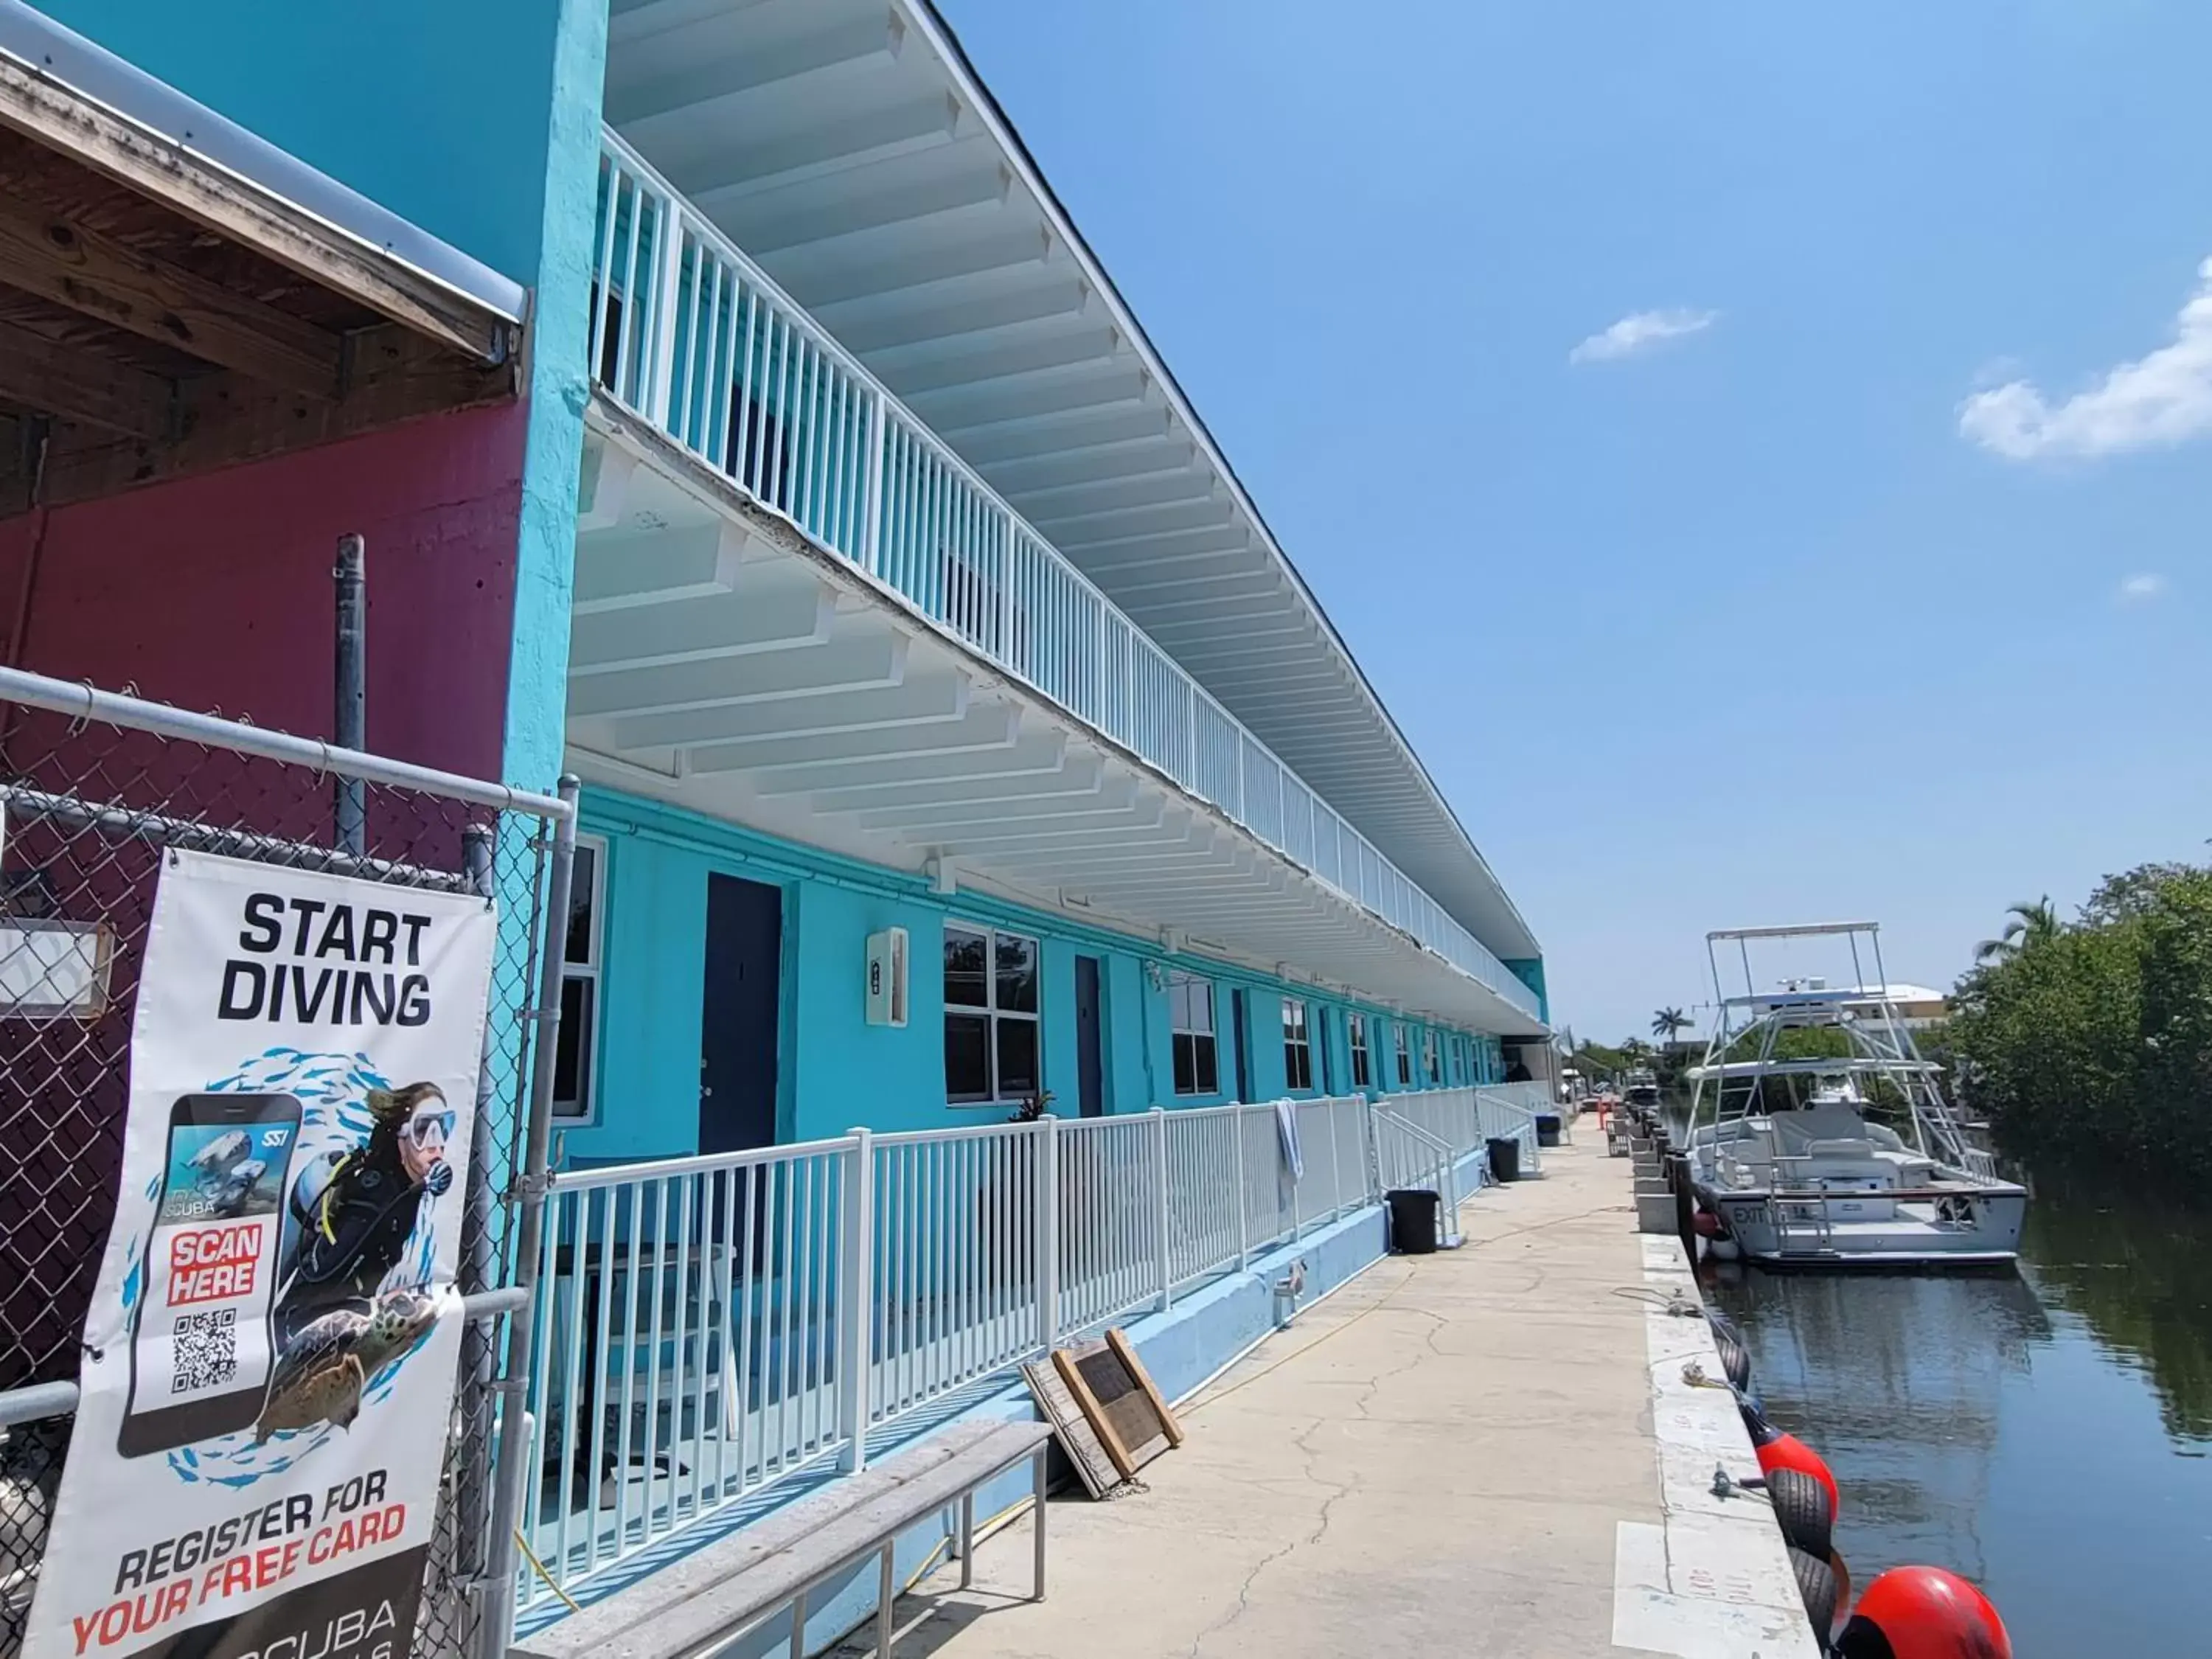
(1413, 1220)
(1548, 1128)
(1504, 1158)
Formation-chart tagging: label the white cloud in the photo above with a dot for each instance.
(2141, 589)
(2157, 401)
(1639, 332)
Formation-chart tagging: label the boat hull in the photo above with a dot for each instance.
(1970, 1227)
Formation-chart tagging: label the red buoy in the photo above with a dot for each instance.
(1787, 1451)
(1706, 1224)
(1924, 1612)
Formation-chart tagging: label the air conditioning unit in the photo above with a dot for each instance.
(887, 977)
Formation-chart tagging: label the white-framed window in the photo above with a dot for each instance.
(1405, 1056)
(1190, 1021)
(1431, 1067)
(575, 1048)
(990, 1014)
(1355, 1026)
(1298, 1046)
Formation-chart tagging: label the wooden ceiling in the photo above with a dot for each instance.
(160, 315)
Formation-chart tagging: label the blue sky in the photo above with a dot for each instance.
(1866, 574)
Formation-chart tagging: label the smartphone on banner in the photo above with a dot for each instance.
(201, 1348)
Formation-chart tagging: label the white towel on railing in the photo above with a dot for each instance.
(1286, 1125)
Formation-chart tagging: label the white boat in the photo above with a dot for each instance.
(1785, 1150)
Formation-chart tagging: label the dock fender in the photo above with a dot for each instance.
(1924, 1612)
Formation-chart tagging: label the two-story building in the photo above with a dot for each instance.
(736, 418)
(920, 627)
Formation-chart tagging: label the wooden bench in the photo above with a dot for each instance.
(725, 1589)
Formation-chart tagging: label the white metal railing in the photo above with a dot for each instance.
(1408, 1155)
(687, 1348)
(1508, 1111)
(690, 334)
(707, 1326)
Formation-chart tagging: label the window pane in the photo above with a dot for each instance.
(1209, 1078)
(1201, 1008)
(1359, 1068)
(1186, 1066)
(967, 1057)
(1018, 1058)
(1017, 973)
(583, 881)
(572, 1049)
(965, 985)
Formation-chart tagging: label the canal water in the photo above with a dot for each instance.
(2047, 1433)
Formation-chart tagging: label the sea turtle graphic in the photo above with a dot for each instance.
(324, 1367)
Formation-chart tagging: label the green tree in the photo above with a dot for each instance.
(2093, 1043)
(2028, 924)
(1667, 1022)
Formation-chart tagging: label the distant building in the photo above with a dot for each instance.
(1918, 1006)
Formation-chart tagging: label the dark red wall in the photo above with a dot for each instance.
(215, 592)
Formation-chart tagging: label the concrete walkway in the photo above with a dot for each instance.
(1435, 1459)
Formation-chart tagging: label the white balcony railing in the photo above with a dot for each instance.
(707, 1327)
(687, 333)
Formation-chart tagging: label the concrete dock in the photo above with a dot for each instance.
(1454, 1453)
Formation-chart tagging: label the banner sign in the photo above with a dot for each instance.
(271, 1356)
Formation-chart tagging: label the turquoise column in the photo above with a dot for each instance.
(478, 123)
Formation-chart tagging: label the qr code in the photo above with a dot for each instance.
(207, 1351)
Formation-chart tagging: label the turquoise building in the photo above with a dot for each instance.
(959, 749)
(922, 630)
(856, 546)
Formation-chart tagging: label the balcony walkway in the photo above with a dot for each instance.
(1433, 1460)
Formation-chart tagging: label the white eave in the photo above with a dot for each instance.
(850, 147)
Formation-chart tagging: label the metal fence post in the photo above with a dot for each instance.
(872, 490)
(472, 1494)
(853, 1300)
(1237, 1160)
(1337, 1172)
(496, 1632)
(659, 401)
(1166, 1229)
(352, 722)
(1047, 1238)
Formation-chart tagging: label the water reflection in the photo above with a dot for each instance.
(1898, 1378)
(2139, 1271)
(2044, 1432)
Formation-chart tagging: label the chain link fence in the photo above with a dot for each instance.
(92, 788)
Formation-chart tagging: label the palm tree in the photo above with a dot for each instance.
(1633, 1049)
(1667, 1022)
(2026, 924)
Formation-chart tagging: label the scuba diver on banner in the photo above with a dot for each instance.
(352, 1212)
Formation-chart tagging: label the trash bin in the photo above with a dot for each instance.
(1504, 1158)
(1413, 1220)
(1548, 1128)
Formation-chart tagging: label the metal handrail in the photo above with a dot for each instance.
(799, 424)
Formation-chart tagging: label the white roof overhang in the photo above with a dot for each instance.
(850, 147)
(721, 661)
